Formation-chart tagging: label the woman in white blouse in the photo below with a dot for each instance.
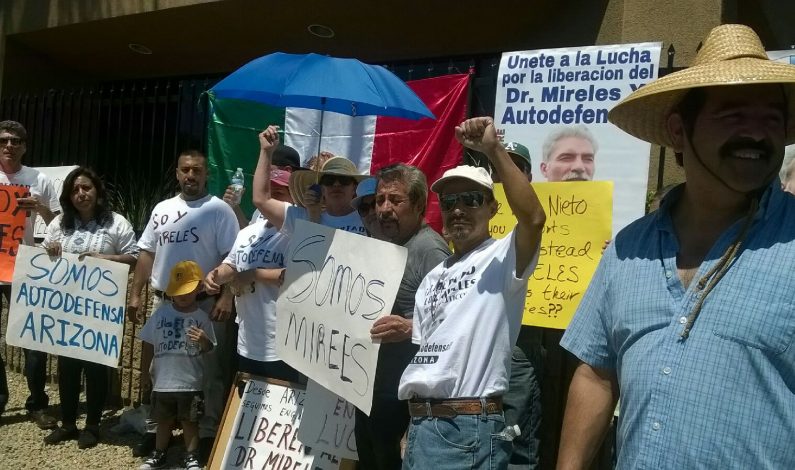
(86, 227)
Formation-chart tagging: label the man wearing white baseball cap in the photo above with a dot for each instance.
(467, 315)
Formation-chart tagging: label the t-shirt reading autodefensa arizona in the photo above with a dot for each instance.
(177, 365)
(257, 246)
(466, 320)
(202, 231)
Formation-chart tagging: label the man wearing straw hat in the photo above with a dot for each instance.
(691, 313)
(337, 177)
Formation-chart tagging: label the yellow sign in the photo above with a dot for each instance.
(579, 215)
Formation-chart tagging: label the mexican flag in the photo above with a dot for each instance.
(371, 142)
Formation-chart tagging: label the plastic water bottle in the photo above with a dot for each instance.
(238, 181)
(511, 432)
(193, 347)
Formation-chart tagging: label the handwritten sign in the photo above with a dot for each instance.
(332, 424)
(337, 284)
(264, 434)
(578, 224)
(68, 307)
(57, 175)
(12, 228)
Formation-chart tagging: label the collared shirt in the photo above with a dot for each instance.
(725, 396)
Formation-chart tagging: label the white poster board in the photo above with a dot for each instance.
(68, 307)
(265, 431)
(542, 92)
(336, 285)
(331, 428)
(56, 174)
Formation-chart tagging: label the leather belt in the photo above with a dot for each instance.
(452, 407)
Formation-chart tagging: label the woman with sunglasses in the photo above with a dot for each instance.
(337, 177)
(87, 227)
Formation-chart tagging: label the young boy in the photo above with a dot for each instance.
(180, 333)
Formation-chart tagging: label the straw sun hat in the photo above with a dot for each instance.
(303, 179)
(732, 54)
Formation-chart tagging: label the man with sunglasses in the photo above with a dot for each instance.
(399, 194)
(42, 200)
(467, 315)
(338, 178)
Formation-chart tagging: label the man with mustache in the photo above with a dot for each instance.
(467, 314)
(191, 226)
(568, 154)
(397, 203)
(690, 316)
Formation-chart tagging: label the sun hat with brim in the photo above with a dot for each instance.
(303, 179)
(184, 278)
(475, 174)
(366, 187)
(731, 55)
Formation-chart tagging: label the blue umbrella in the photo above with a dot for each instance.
(314, 81)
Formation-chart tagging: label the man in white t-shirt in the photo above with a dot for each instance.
(255, 269)
(337, 178)
(43, 201)
(467, 315)
(191, 226)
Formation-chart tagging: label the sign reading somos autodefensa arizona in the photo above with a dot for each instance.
(67, 306)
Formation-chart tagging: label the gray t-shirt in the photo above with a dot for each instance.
(426, 249)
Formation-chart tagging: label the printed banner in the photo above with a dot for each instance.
(68, 307)
(337, 284)
(555, 102)
(578, 224)
(265, 431)
(12, 228)
(332, 424)
(57, 175)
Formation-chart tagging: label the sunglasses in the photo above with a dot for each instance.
(13, 140)
(365, 207)
(473, 199)
(329, 180)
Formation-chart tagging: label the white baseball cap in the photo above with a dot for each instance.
(365, 188)
(475, 174)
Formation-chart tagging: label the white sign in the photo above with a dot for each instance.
(265, 431)
(332, 424)
(545, 95)
(336, 285)
(57, 175)
(68, 307)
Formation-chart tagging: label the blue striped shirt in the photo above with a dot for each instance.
(725, 396)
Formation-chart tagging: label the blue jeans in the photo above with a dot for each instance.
(463, 442)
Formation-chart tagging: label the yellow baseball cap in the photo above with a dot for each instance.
(185, 276)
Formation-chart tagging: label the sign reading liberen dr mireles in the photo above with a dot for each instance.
(68, 307)
(337, 284)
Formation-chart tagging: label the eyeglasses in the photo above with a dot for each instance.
(12, 140)
(329, 180)
(364, 208)
(473, 199)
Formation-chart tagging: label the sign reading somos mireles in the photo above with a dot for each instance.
(68, 307)
(577, 226)
(336, 285)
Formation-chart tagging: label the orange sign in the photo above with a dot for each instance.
(12, 227)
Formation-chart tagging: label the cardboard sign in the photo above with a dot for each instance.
(68, 307)
(57, 175)
(577, 226)
(545, 98)
(12, 228)
(332, 424)
(337, 284)
(264, 431)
